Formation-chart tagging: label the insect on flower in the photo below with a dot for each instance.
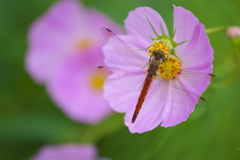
(162, 68)
(155, 78)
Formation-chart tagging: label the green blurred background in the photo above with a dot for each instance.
(29, 119)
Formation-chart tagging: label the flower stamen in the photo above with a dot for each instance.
(84, 44)
(158, 45)
(97, 80)
(170, 68)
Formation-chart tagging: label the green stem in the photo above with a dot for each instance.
(216, 29)
(93, 133)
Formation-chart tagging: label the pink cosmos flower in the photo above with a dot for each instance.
(64, 49)
(177, 83)
(68, 152)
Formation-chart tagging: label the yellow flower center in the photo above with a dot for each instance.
(159, 46)
(97, 80)
(84, 44)
(170, 68)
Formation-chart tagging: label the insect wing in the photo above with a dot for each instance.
(176, 92)
(191, 76)
(125, 51)
(126, 80)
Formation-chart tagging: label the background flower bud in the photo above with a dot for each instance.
(233, 32)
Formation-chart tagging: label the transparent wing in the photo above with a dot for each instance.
(125, 51)
(196, 79)
(202, 77)
(126, 80)
(174, 91)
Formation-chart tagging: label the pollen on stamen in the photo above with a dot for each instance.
(158, 45)
(170, 68)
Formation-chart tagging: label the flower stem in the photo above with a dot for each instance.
(216, 29)
(93, 133)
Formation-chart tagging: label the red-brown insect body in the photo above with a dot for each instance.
(142, 97)
(157, 59)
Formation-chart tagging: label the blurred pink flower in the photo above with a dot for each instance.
(68, 152)
(177, 93)
(64, 49)
(233, 32)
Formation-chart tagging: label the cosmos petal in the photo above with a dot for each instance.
(199, 49)
(184, 24)
(98, 20)
(70, 88)
(204, 66)
(119, 100)
(137, 25)
(192, 86)
(59, 26)
(148, 118)
(67, 151)
(41, 65)
(52, 37)
(176, 114)
(113, 59)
